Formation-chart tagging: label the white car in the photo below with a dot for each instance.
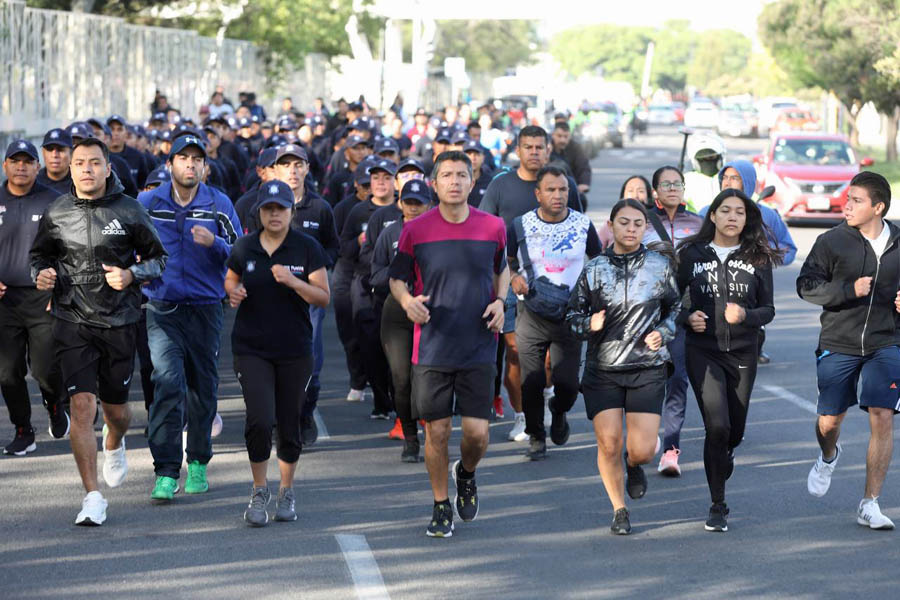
(661, 114)
(701, 115)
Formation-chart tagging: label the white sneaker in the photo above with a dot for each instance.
(869, 515)
(517, 433)
(355, 395)
(216, 426)
(115, 465)
(93, 510)
(819, 479)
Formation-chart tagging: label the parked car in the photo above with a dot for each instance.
(604, 124)
(811, 173)
(702, 114)
(795, 119)
(661, 114)
(737, 121)
(769, 108)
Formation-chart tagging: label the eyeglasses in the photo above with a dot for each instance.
(668, 186)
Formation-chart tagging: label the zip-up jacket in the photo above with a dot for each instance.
(712, 284)
(20, 217)
(384, 253)
(76, 237)
(194, 273)
(639, 294)
(315, 217)
(851, 325)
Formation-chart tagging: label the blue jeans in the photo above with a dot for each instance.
(317, 316)
(184, 348)
(676, 394)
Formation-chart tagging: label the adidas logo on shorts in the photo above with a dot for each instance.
(113, 228)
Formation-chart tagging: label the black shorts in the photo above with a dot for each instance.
(434, 390)
(636, 391)
(96, 360)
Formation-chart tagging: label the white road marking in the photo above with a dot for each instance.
(363, 568)
(320, 424)
(790, 397)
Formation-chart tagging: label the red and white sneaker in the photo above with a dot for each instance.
(397, 432)
(498, 406)
(668, 463)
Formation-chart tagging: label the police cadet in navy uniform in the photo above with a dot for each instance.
(482, 172)
(25, 324)
(120, 166)
(57, 151)
(118, 134)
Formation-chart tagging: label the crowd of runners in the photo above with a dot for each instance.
(453, 272)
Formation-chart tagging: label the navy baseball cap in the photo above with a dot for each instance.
(411, 163)
(435, 122)
(355, 140)
(361, 175)
(22, 147)
(384, 165)
(185, 129)
(356, 106)
(275, 141)
(208, 130)
(159, 175)
(421, 111)
(93, 122)
(287, 123)
(166, 136)
(459, 137)
(243, 122)
(57, 137)
(254, 118)
(416, 190)
(182, 142)
(471, 146)
(386, 144)
(80, 129)
(292, 150)
(160, 116)
(359, 125)
(317, 120)
(444, 135)
(116, 119)
(232, 122)
(275, 192)
(267, 157)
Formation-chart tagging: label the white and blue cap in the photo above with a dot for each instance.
(183, 141)
(415, 190)
(22, 147)
(275, 192)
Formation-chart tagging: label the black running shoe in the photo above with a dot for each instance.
(730, 469)
(537, 449)
(410, 452)
(309, 431)
(22, 444)
(466, 495)
(59, 421)
(635, 481)
(716, 521)
(441, 524)
(559, 428)
(621, 525)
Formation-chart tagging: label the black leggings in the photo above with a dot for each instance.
(274, 393)
(722, 383)
(397, 339)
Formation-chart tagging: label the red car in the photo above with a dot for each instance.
(811, 174)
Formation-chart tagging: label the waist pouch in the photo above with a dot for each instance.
(547, 299)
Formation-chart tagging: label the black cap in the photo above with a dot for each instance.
(416, 189)
(385, 165)
(361, 174)
(275, 192)
(471, 146)
(292, 150)
(386, 144)
(267, 157)
(158, 175)
(57, 137)
(356, 140)
(459, 137)
(411, 163)
(22, 147)
(444, 135)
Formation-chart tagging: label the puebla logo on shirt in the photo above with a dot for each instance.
(310, 225)
(251, 266)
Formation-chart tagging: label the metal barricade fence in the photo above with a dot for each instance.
(60, 66)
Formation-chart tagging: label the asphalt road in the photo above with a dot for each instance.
(543, 528)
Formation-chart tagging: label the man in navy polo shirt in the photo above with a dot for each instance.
(118, 136)
(198, 226)
(57, 151)
(455, 258)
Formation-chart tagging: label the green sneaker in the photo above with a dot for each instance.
(165, 489)
(196, 479)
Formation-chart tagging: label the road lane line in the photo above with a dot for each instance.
(790, 397)
(320, 425)
(363, 568)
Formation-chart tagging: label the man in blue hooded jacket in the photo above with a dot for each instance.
(741, 175)
(198, 226)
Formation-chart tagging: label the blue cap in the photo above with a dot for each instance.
(185, 129)
(435, 122)
(287, 123)
(384, 165)
(80, 129)
(116, 119)
(267, 157)
(355, 140)
(317, 120)
(160, 116)
(158, 175)
(94, 122)
(275, 192)
(243, 122)
(182, 142)
(292, 150)
(407, 163)
(416, 189)
(361, 175)
(57, 137)
(386, 144)
(232, 122)
(471, 146)
(275, 141)
(22, 147)
(166, 135)
(444, 135)
(459, 137)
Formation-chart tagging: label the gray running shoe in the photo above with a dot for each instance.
(256, 515)
(284, 505)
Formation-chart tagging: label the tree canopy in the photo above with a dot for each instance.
(488, 46)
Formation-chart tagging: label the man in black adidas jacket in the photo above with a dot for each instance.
(852, 272)
(86, 251)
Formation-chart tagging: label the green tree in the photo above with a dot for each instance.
(114, 8)
(616, 51)
(675, 45)
(487, 46)
(721, 55)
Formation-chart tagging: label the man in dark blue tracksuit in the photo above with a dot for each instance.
(198, 225)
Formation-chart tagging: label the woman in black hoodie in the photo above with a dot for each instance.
(727, 268)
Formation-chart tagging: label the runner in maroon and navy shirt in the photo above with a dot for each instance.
(455, 257)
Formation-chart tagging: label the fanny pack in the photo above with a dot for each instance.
(547, 299)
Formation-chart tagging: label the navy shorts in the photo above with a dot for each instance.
(838, 376)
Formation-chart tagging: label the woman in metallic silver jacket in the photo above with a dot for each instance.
(625, 304)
